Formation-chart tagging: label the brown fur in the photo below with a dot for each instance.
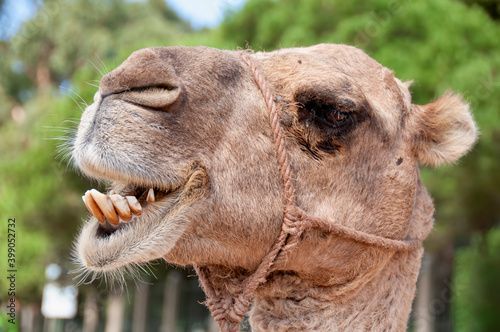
(167, 111)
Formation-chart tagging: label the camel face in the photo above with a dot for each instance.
(191, 124)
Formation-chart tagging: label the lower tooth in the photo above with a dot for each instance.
(121, 206)
(106, 206)
(93, 207)
(134, 204)
(151, 196)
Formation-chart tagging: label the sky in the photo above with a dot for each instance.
(12, 14)
(200, 13)
(204, 13)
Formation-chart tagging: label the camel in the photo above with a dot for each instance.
(289, 179)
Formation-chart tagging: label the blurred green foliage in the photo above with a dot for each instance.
(492, 7)
(476, 302)
(440, 44)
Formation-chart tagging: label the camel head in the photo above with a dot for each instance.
(182, 138)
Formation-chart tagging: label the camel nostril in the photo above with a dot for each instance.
(156, 97)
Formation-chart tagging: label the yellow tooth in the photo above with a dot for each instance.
(93, 207)
(134, 204)
(121, 206)
(151, 196)
(112, 192)
(106, 206)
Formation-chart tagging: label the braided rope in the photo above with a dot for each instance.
(279, 139)
(362, 237)
(229, 310)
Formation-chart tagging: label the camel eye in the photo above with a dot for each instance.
(327, 116)
(332, 116)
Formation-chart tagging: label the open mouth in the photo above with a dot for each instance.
(138, 222)
(115, 209)
(128, 202)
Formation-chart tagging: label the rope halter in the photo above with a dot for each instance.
(228, 309)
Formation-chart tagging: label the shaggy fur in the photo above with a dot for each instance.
(354, 139)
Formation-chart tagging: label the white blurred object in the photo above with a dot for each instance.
(58, 301)
(52, 272)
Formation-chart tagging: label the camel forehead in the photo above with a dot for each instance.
(347, 59)
(343, 57)
(334, 66)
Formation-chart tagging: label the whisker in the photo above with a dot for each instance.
(77, 103)
(103, 64)
(95, 66)
(78, 95)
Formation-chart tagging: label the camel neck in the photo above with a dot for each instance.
(349, 281)
(382, 304)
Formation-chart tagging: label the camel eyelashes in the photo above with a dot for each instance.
(332, 116)
(328, 117)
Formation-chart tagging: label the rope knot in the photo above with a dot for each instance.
(227, 308)
(292, 220)
(219, 306)
(239, 309)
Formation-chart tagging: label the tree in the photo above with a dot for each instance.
(72, 43)
(476, 292)
(63, 35)
(492, 7)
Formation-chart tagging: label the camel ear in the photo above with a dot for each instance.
(444, 130)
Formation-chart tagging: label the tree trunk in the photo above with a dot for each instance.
(140, 307)
(171, 294)
(28, 314)
(114, 313)
(423, 320)
(90, 311)
(42, 78)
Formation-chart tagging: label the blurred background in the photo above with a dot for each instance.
(53, 54)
